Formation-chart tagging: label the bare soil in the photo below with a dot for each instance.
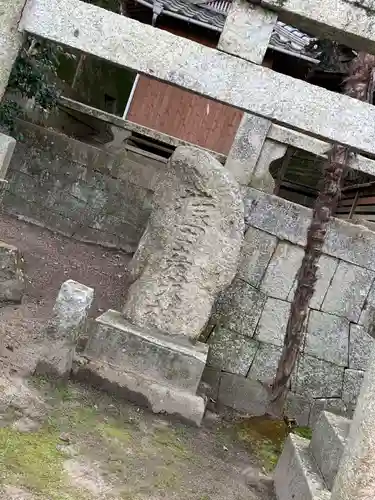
(51, 259)
(70, 442)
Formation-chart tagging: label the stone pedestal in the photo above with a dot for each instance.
(146, 366)
(187, 255)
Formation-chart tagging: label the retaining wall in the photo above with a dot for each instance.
(80, 190)
(251, 317)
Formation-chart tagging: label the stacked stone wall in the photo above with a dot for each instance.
(251, 317)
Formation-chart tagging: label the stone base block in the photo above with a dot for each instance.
(144, 391)
(56, 360)
(166, 359)
(327, 444)
(296, 475)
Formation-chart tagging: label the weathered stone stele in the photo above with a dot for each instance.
(191, 246)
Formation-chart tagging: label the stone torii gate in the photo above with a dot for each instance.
(231, 74)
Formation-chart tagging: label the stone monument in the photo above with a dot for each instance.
(187, 255)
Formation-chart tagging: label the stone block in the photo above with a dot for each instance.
(316, 378)
(172, 361)
(327, 337)
(246, 148)
(265, 363)
(367, 318)
(285, 220)
(7, 145)
(297, 407)
(348, 291)
(296, 475)
(327, 444)
(240, 307)
(68, 322)
(350, 242)
(352, 385)
(281, 271)
(273, 321)
(326, 269)
(230, 351)
(360, 346)
(257, 251)
(243, 394)
(332, 405)
(146, 392)
(12, 281)
(247, 31)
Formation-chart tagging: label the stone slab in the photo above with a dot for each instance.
(257, 251)
(12, 280)
(243, 394)
(247, 31)
(348, 291)
(332, 405)
(7, 145)
(296, 475)
(326, 269)
(328, 337)
(316, 378)
(360, 346)
(282, 270)
(200, 69)
(265, 363)
(166, 359)
(231, 352)
(144, 392)
(352, 385)
(246, 147)
(240, 307)
(349, 22)
(272, 324)
(327, 444)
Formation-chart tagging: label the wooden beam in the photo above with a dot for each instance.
(203, 70)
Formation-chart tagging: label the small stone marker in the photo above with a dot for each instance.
(63, 330)
(12, 282)
(187, 255)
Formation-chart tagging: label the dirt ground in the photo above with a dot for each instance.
(71, 442)
(51, 259)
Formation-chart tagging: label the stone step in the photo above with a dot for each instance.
(296, 475)
(164, 358)
(327, 444)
